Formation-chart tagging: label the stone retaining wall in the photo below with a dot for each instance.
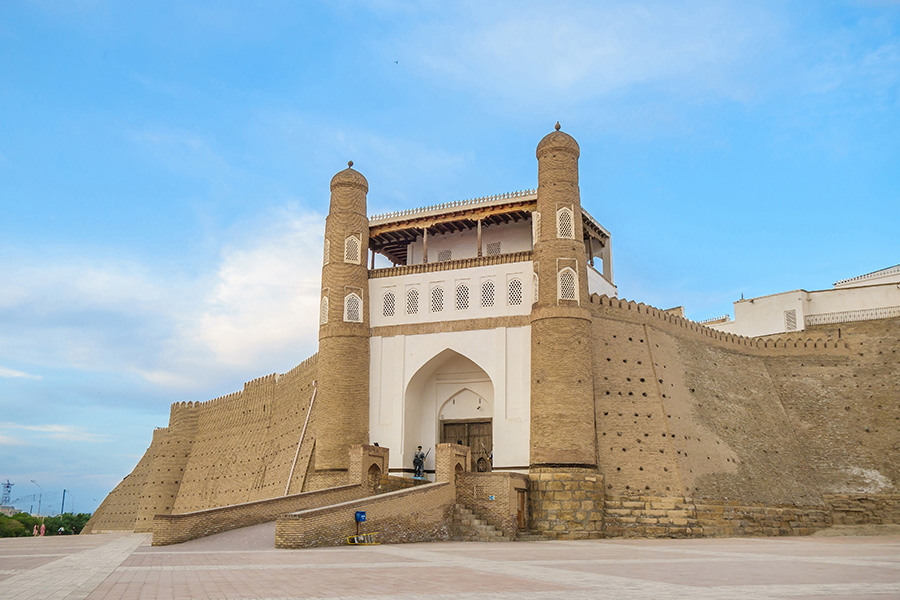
(567, 504)
(864, 509)
(661, 516)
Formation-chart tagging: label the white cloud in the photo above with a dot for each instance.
(266, 294)
(12, 373)
(59, 432)
(8, 440)
(537, 53)
(256, 312)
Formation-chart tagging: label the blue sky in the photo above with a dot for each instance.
(164, 171)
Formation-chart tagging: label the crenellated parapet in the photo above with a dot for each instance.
(630, 310)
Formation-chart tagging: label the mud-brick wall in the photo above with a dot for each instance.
(846, 408)
(493, 497)
(685, 411)
(857, 509)
(119, 509)
(566, 504)
(167, 468)
(246, 442)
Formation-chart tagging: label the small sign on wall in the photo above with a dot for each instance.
(361, 515)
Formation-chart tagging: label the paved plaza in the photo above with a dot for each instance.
(244, 565)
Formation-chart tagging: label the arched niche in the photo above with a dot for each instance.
(448, 382)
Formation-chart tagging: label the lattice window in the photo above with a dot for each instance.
(535, 227)
(327, 254)
(390, 302)
(534, 288)
(352, 308)
(437, 299)
(790, 320)
(444, 255)
(493, 249)
(567, 285)
(515, 292)
(323, 311)
(565, 224)
(412, 301)
(488, 291)
(351, 250)
(462, 297)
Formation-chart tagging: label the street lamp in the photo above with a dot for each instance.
(40, 495)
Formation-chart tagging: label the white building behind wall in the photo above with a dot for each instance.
(874, 295)
(450, 348)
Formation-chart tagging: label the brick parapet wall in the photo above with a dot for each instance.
(864, 509)
(493, 497)
(393, 483)
(566, 504)
(419, 514)
(174, 529)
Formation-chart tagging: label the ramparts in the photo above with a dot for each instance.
(685, 411)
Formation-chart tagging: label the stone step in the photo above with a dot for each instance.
(531, 535)
(469, 527)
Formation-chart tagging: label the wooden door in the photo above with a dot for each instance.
(477, 434)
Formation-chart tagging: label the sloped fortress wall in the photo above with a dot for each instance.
(683, 411)
(238, 448)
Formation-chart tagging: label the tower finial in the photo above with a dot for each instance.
(557, 125)
(350, 162)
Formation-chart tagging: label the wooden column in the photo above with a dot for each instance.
(425, 245)
(479, 238)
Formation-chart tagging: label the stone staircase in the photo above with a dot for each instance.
(467, 526)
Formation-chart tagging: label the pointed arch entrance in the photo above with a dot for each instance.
(449, 399)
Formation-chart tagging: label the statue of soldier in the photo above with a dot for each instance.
(419, 463)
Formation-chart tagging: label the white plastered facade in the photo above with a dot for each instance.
(413, 377)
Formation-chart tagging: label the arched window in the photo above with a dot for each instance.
(352, 308)
(323, 311)
(389, 302)
(412, 301)
(565, 224)
(487, 294)
(327, 255)
(351, 249)
(534, 288)
(515, 292)
(437, 299)
(462, 297)
(535, 227)
(567, 284)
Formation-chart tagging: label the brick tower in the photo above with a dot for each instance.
(342, 402)
(563, 444)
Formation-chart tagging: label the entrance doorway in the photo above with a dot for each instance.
(477, 434)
